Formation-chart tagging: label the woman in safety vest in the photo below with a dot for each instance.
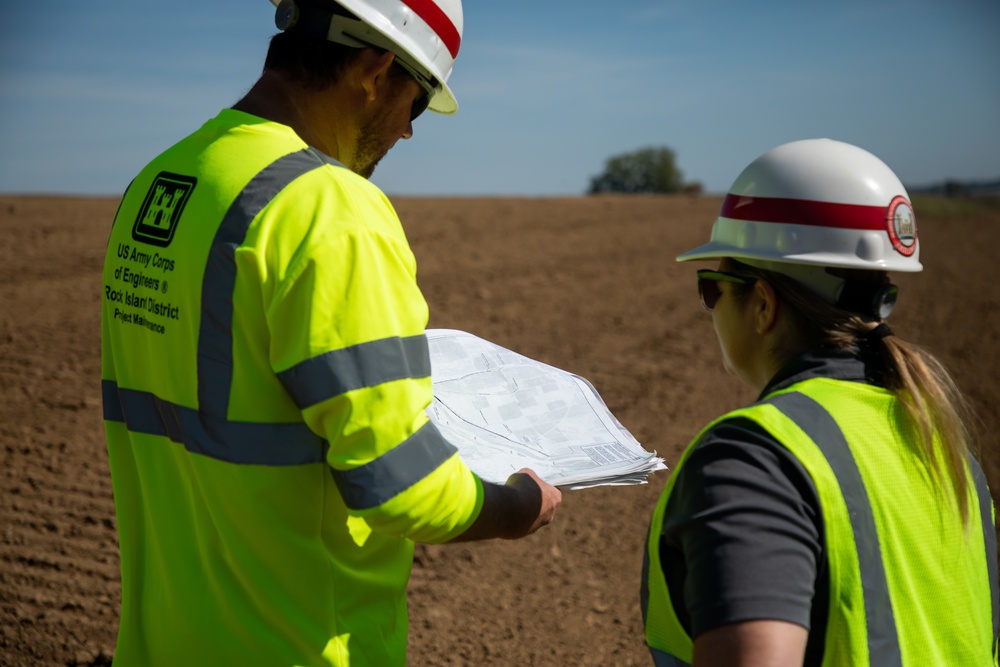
(841, 519)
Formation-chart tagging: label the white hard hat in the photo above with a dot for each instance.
(424, 34)
(820, 203)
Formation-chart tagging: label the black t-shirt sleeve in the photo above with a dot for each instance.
(742, 533)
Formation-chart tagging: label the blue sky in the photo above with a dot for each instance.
(548, 90)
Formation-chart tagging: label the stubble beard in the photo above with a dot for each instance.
(371, 147)
(369, 153)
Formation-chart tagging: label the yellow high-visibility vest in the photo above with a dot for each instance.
(265, 375)
(909, 585)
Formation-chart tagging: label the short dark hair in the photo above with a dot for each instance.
(311, 62)
(306, 57)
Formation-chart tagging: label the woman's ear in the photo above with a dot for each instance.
(766, 306)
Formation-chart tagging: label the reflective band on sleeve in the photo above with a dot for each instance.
(215, 337)
(990, 538)
(804, 212)
(357, 367)
(250, 443)
(819, 425)
(390, 474)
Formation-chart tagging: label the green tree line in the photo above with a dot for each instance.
(647, 170)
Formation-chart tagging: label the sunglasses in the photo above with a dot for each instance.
(708, 285)
(421, 103)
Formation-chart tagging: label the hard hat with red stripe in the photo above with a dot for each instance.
(816, 202)
(425, 35)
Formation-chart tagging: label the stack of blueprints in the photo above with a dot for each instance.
(504, 411)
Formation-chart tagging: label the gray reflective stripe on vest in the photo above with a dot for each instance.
(822, 429)
(236, 442)
(644, 582)
(401, 467)
(990, 539)
(662, 659)
(215, 336)
(208, 431)
(359, 366)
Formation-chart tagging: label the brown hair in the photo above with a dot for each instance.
(934, 405)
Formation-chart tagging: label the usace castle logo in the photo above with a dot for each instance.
(902, 226)
(161, 209)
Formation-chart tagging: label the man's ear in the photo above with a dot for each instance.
(374, 71)
(766, 306)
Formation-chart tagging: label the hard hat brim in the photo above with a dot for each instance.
(804, 244)
(715, 250)
(443, 101)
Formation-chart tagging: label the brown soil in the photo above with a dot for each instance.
(586, 284)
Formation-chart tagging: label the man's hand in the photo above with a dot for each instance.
(549, 496)
(518, 508)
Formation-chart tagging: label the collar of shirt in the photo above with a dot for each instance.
(838, 364)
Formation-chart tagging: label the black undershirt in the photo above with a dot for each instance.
(743, 534)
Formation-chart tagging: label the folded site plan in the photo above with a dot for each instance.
(504, 411)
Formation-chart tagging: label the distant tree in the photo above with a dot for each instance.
(694, 188)
(956, 189)
(652, 170)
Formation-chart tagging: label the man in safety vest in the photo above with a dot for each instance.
(842, 518)
(265, 370)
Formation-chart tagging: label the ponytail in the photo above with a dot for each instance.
(937, 412)
(935, 405)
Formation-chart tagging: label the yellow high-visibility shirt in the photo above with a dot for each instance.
(265, 375)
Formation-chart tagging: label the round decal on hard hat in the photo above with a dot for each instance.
(902, 226)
